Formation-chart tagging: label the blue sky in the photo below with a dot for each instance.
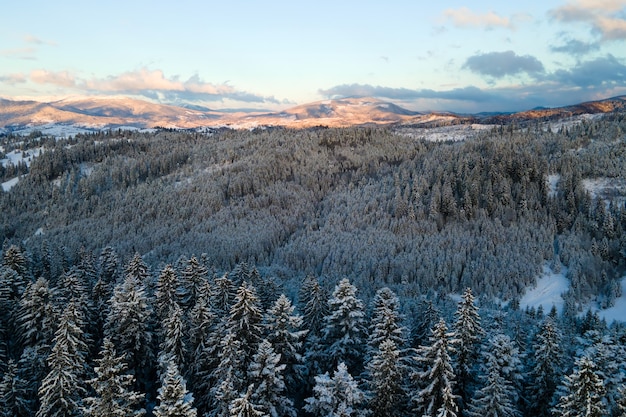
(446, 55)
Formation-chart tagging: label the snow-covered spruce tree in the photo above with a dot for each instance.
(427, 317)
(201, 349)
(243, 407)
(266, 373)
(386, 321)
(336, 396)
(313, 302)
(583, 392)
(496, 397)
(62, 390)
(468, 334)
(15, 258)
(15, 400)
(245, 321)
(31, 370)
(193, 278)
(283, 332)
(227, 379)
(36, 319)
(435, 393)
(112, 386)
(546, 372)
(129, 326)
(621, 401)
(344, 332)
(174, 399)
(166, 292)
(172, 340)
(387, 381)
(224, 295)
(503, 351)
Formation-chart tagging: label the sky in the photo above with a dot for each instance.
(275, 54)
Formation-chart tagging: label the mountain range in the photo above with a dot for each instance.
(99, 112)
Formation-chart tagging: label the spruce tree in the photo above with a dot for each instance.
(436, 380)
(37, 317)
(165, 295)
(266, 373)
(112, 386)
(174, 399)
(496, 397)
(336, 396)
(468, 334)
(193, 278)
(173, 330)
(129, 325)
(584, 392)
(14, 397)
(62, 390)
(387, 374)
(314, 305)
(344, 330)
(283, 332)
(245, 321)
(546, 373)
(243, 407)
(386, 321)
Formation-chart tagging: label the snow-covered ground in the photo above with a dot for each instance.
(16, 156)
(548, 291)
(553, 181)
(7, 185)
(550, 288)
(618, 311)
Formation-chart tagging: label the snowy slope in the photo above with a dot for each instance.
(547, 293)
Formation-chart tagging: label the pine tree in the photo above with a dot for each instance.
(174, 399)
(468, 334)
(344, 331)
(112, 387)
(266, 373)
(387, 374)
(584, 392)
(546, 372)
(62, 389)
(436, 381)
(336, 396)
(283, 332)
(243, 407)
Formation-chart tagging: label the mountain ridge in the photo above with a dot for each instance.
(101, 112)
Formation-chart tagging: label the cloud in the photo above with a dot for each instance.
(465, 18)
(13, 79)
(606, 17)
(501, 64)
(589, 80)
(598, 73)
(576, 47)
(61, 78)
(37, 41)
(473, 94)
(20, 53)
(148, 83)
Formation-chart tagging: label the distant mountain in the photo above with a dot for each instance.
(118, 112)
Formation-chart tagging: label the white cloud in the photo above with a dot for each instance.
(606, 17)
(464, 18)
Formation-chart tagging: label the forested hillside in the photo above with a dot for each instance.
(164, 255)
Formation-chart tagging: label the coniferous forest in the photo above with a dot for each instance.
(318, 272)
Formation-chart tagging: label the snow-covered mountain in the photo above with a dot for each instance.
(99, 112)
